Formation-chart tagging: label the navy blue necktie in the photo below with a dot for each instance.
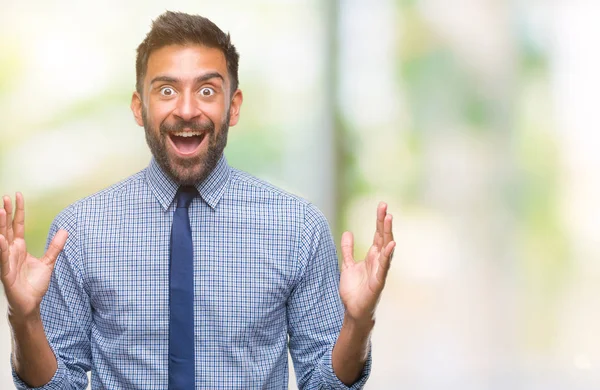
(181, 296)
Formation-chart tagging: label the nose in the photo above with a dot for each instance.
(187, 107)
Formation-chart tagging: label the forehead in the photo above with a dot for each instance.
(185, 62)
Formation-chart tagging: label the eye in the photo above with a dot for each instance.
(207, 91)
(167, 91)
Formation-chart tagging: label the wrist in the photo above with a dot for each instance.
(361, 325)
(20, 321)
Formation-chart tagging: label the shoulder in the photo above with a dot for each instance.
(245, 184)
(132, 184)
(102, 199)
(249, 189)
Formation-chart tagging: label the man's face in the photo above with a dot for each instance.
(186, 110)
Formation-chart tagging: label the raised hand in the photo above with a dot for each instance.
(24, 277)
(361, 283)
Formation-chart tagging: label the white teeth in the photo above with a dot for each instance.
(187, 133)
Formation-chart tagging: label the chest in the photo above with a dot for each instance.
(244, 268)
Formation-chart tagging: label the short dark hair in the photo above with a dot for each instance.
(178, 28)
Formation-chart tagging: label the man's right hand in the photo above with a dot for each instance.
(24, 277)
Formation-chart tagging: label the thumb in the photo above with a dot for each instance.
(347, 246)
(56, 246)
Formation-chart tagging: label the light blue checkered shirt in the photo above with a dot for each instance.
(265, 268)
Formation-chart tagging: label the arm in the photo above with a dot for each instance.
(37, 308)
(25, 280)
(32, 357)
(314, 309)
(351, 350)
(361, 285)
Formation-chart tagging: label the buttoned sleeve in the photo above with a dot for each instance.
(66, 313)
(315, 310)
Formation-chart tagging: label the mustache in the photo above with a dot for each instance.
(182, 125)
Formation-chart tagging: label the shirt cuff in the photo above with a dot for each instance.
(56, 383)
(332, 381)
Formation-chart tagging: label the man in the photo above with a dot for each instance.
(189, 274)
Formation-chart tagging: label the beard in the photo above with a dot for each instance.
(192, 170)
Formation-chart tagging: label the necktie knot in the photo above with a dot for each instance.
(185, 195)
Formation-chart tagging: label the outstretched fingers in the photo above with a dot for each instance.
(388, 235)
(4, 264)
(56, 246)
(19, 219)
(8, 230)
(3, 221)
(347, 246)
(381, 212)
(385, 260)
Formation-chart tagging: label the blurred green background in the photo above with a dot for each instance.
(473, 119)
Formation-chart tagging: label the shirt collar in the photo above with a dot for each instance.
(211, 190)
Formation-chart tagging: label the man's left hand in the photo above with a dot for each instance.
(361, 283)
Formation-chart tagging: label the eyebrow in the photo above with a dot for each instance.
(199, 79)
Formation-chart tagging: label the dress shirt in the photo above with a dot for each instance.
(266, 279)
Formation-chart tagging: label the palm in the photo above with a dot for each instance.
(26, 282)
(361, 283)
(25, 278)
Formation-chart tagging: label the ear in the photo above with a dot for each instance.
(136, 108)
(234, 108)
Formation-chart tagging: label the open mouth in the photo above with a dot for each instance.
(187, 142)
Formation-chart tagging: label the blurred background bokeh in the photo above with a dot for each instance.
(475, 120)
